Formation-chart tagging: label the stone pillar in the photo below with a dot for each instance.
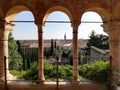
(40, 52)
(75, 26)
(7, 30)
(2, 27)
(113, 30)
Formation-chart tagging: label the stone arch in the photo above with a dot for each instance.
(116, 11)
(12, 12)
(1, 13)
(57, 8)
(105, 15)
(10, 16)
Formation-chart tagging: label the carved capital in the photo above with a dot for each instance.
(40, 26)
(111, 27)
(75, 23)
(9, 26)
(38, 22)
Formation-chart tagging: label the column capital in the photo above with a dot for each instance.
(9, 26)
(39, 23)
(76, 23)
(111, 25)
(112, 28)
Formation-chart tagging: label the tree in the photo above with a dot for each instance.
(21, 52)
(98, 40)
(19, 47)
(15, 59)
(55, 44)
(52, 47)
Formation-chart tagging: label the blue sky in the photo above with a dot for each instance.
(55, 30)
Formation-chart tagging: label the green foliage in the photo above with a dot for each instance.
(98, 40)
(65, 72)
(71, 60)
(15, 59)
(83, 59)
(50, 70)
(47, 52)
(29, 56)
(52, 47)
(32, 73)
(98, 71)
(17, 73)
(65, 53)
(53, 50)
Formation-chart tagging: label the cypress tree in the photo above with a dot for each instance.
(15, 59)
(55, 44)
(52, 47)
(21, 52)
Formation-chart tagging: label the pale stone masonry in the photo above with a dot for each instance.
(98, 54)
(109, 11)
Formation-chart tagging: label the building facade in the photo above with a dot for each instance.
(98, 54)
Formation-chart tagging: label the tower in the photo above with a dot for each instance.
(65, 37)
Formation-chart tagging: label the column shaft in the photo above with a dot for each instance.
(113, 30)
(2, 27)
(75, 50)
(40, 54)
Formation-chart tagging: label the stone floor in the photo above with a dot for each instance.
(20, 84)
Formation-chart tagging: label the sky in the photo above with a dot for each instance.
(25, 31)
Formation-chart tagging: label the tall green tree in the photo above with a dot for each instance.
(52, 47)
(98, 40)
(21, 52)
(55, 44)
(15, 59)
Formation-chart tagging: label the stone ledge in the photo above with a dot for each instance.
(68, 86)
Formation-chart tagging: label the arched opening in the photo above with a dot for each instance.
(90, 21)
(58, 41)
(93, 43)
(22, 43)
(25, 29)
(25, 35)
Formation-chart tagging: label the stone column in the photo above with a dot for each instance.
(113, 30)
(75, 26)
(40, 52)
(5, 29)
(8, 28)
(2, 27)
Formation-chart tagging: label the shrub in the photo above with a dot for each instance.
(98, 71)
(32, 73)
(49, 71)
(17, 73)
(65, 72)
